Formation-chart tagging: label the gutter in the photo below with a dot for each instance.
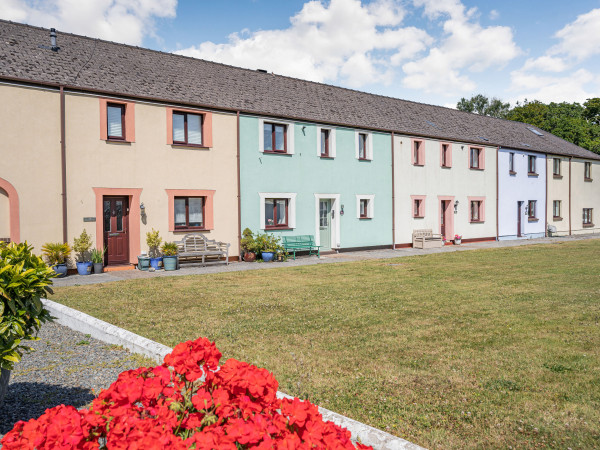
(63, 164)
(393, 199)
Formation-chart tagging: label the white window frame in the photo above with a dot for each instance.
(289, 135)
(370, 205)
(332, 146)
(369, 155)
(335, 220)
(291, 198)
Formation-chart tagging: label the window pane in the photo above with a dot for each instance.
(416, 206)
(180, 212)
(106, 215)
(361, 145)
(475, 158)
(268, 136)
(178, 128)
(269, 212)
(475, 211)
(281, 215)
(279, 137)
(195, 211)
(324, 149)
(194, 123)
(119, 208)
(115, 126)
(363, 208)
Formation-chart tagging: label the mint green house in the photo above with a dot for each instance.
(299, 178)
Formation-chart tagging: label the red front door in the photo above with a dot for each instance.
(116, 229)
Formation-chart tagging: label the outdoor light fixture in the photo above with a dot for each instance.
(455, 206)
(342, 210)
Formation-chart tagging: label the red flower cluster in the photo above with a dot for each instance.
(189, 402)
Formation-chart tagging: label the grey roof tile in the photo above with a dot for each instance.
(93, 64)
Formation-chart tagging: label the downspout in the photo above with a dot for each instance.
(393, 200)
(239, 196)
(570, 158)
(497, 196)
(63, 162)
(546, 199)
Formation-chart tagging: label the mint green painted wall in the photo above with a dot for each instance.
(305, 174)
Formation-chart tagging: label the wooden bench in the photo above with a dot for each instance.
(426, 239)
(196, 247)
(303, 242)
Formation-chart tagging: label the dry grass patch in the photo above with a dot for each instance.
(489, 348)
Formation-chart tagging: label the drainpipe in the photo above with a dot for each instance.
(393, 200)
(63, 162)
(546, 199)
(497, 196)
(570, 158)
(239, 196)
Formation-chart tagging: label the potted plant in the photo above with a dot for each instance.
(248, 245)
(24, 280)
(98, 260)
(169, 251)
(82, 246)
(457, 239)
(153, 240)
(56, 255)
(270, 245)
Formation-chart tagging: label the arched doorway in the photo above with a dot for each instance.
(9, 212)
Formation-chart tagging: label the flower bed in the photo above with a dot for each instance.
(187, 402)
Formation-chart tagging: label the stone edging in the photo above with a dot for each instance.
(111, 334)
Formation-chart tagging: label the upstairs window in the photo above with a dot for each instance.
(418, 152)
(362, 146)
(189, 212)
(531, 209)
(556, 167)
(187, 128)
(531, 170)
(115, 121)
(587, 171)
(445, 155)
(276, 213)
(511, 163)
(587, 217)
(275, 137)
(476, 160)
(325, 143)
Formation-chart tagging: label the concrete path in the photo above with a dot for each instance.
(75, 280)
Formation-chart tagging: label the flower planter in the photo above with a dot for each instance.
(4, 377)
(170, 262)
(267, 256)
(84, 268)
(457, 241)
(156, 263)
(280, 258)
(143, 262)
(60, 269)
(98, 267)
(250, 256)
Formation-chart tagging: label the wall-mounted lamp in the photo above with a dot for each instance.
(143, 213)
(303, 130)
(142, 207)
(526, 210)
(456, 207)
(342, 210)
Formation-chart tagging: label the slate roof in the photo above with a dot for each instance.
(108, 67)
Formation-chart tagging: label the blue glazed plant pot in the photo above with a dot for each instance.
(156, 263)
(170, 262)
(267, 256)
(84, 268)
(143, 262)
(60, 269)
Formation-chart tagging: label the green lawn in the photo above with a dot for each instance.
(488, 348)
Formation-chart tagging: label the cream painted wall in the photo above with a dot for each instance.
(584, 194)
(150, 164)
(558, 189)
(4, 217)
(432, 180)
(30, 155)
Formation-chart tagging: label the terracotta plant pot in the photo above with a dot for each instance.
(249, 257)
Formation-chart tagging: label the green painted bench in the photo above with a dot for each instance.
(303, 242)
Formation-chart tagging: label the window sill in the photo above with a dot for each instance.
(557, 177)
(557, 218)
(326, 157)
(187, 230)
(190, 146)
(533, 174)
(512, 172)
(589, 180)
(271, 152)
(446, 167)
(588, 225)
(476, 168)
(118, 141)
(419, 165)
(532, 219)
(365, 218)
(476, 221)
(364, 159)
(278, 228)
(418, 217)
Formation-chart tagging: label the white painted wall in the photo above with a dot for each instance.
(520, 187)
(432, 181)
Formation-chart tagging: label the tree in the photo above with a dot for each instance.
(592, 110)
(480, 104)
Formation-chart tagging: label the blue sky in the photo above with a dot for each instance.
(432, 51)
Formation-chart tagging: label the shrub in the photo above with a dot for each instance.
(56, 253)
(82, 246)
(153, 240)
(248, 243)
(169, 249)
(98, 255)
(187, 402)
(24, 279)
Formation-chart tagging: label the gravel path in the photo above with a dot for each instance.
(67, 367)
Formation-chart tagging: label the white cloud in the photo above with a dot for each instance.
(581, 38)
(126, 21)
(570, 87)
(343, 41)
(545, 64)
(494, 15)
(465, 46)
